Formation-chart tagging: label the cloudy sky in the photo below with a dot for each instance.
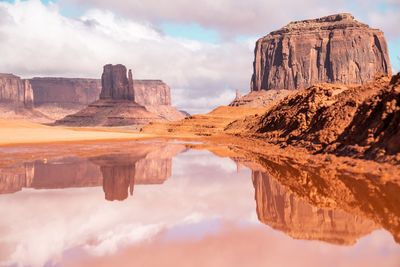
(202, 49)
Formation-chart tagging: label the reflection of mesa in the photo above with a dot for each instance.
(148, 164)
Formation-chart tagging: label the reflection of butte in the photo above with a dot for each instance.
(149, 163)
(122, 172)
(284, 211)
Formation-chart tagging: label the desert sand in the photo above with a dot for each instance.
(13, 132)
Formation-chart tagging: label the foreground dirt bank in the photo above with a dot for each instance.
(358, 121)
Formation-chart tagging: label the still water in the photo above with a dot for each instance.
(170, 204)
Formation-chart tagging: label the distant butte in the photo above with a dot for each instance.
(124, 101)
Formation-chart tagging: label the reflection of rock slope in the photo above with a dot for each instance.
(143, 164)
(14, 179)
(364, 189)
(285, 211)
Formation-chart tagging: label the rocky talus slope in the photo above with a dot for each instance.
(212, 123)
(332, 49)
(259, 99)
(347, 120)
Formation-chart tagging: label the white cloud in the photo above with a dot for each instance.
(234, 17)
(36, 40)
(229, 17)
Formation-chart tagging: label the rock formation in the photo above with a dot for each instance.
(115, 83)
(59, 97)
(332, 49)
(360, 121)
(212, 123)
(375, 127)
(15, 91)
(262, 98)
(66, 92)
(83, 91)
(117, 105)
(152, 93)
(283, 211)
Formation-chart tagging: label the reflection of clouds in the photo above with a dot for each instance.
(206, 165)
(115, 239)
(40, 225)
(250, 246)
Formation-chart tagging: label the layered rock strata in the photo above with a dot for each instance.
(117, 105)
(115, 84)
(66, 92)
(83, 91)
(333, 49)
(15, 91)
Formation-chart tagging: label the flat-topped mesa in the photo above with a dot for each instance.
(65, 91)
(152, 93)
(15, 91)
(331, 49)
(115, 83)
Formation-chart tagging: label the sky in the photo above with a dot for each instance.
(202, 49)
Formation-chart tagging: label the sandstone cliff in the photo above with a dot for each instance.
(118, 104)
(83, 91)
(65, 91)
(152, 93)
(332, 49)
(115, 84)
(15, 91)
(59, 97)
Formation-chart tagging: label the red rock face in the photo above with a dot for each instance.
(332, 49)
(77, 91)
(115, 83)
(65, 91)
(15, 91)
(152, 93)
(124, 101)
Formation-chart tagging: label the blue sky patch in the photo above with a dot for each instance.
(190, 31)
